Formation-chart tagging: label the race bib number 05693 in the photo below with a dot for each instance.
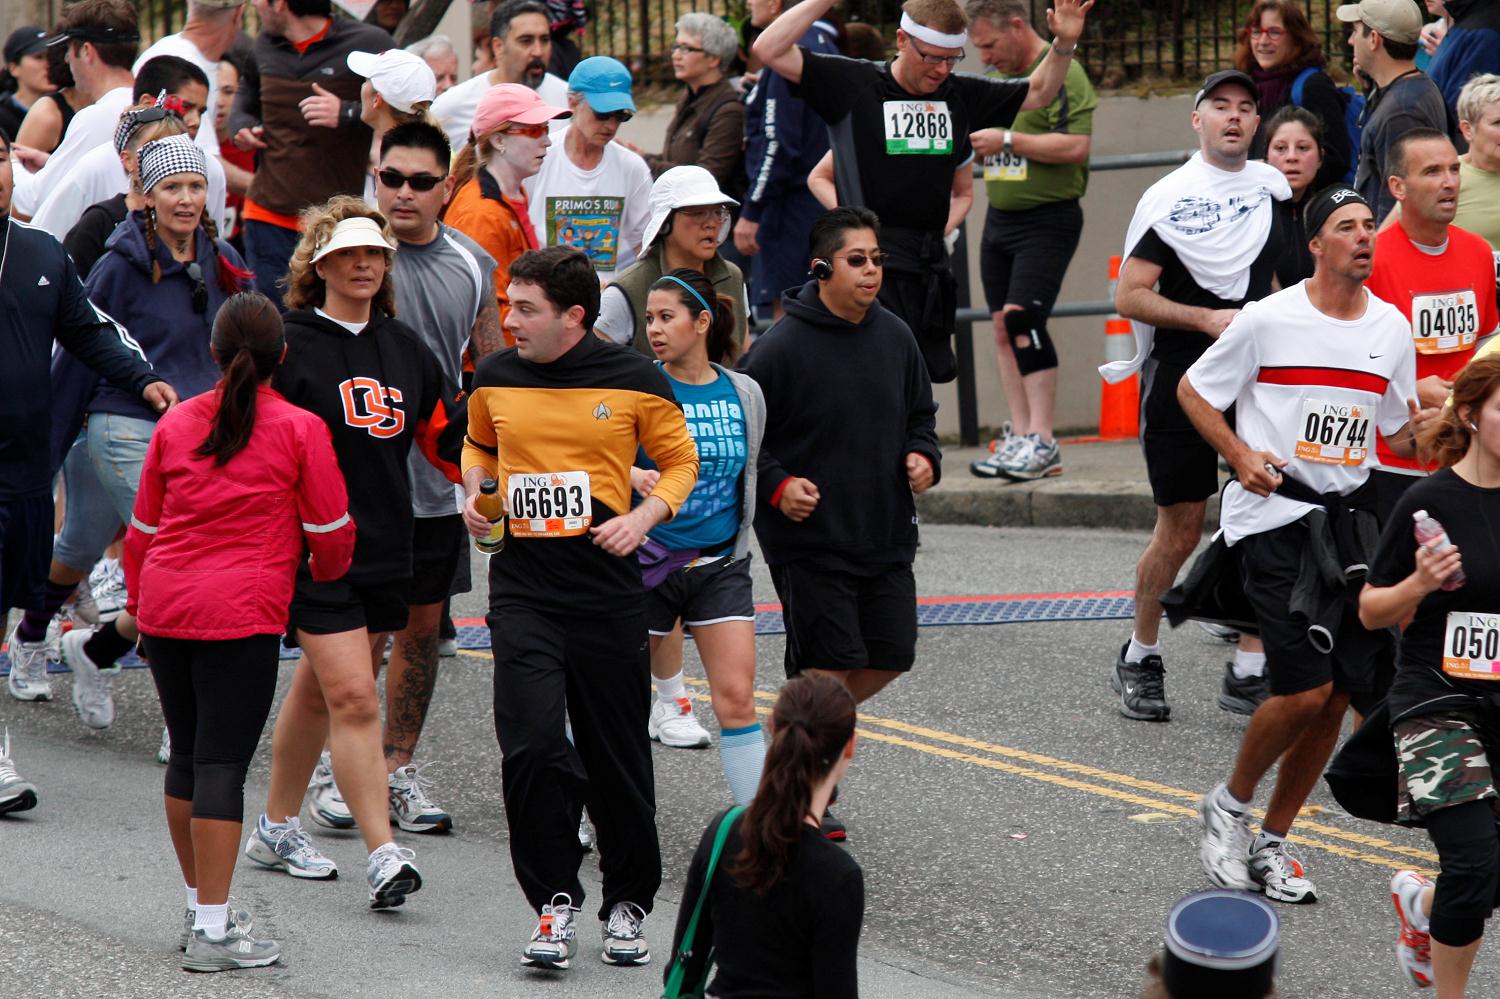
(918, 127)
(1471, 646)
(549, 504)
(1333, 433)
(1445, 323)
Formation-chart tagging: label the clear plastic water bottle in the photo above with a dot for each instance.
(1432, 536)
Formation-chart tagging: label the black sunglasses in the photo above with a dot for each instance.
(857, 260)
(621, 116)
(200, 290)
(420, 182)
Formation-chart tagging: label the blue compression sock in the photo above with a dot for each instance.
(743, 753)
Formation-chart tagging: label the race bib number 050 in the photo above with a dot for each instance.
(1471, 646)
(918, 127)
(549, 504)
(1006, 166)
(1442, 324)
(1333, 433)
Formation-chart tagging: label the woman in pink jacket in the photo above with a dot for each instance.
(237, 483)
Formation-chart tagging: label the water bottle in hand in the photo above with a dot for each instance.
(1432, 536)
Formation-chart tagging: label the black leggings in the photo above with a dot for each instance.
(1468, 885)
(216, 696)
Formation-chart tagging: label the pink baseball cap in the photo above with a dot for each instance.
(505, 103)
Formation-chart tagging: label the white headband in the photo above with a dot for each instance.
(932, 37)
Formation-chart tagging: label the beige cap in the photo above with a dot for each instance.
(1397, 20)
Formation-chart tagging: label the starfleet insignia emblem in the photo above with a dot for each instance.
(601, 412)
(42, 281)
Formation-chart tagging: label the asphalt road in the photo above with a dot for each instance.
(1019, 837)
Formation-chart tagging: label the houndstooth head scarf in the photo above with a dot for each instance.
(164, 157)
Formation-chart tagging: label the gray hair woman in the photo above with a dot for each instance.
(1479, 119)
(708, 128)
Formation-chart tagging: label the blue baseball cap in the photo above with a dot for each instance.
(605, 82)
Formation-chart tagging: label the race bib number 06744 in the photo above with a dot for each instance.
(1333, 433)
(549, 504)
(918, 127)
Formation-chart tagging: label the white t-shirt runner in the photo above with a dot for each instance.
(1309, 388)
(602, 211)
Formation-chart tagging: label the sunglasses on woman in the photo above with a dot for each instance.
(420, 182)
(200, 290)
(529, 131)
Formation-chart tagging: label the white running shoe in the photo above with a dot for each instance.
(675, 725)
(552, 942)
(1280, 875)
(164, 751)
(1224, 848)
(411, 809)
(53, 642)
(93, 687)
(290, 849)
(1413, 946)
(392, 875)
(624, 942)
(585, 834)
(324, 802)
(28, 669)
(82, 610)
(1003, 451)
(16, 795)
(107, 582)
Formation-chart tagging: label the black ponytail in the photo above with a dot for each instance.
(247, 344)
(722, 344)
(812, 722)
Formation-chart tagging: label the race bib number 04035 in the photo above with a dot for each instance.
(1444, 323)
(1471, 646)
(918, 127)
(1333, 433)
(549, 504)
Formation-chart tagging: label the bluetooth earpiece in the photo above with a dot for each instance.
(821, 269)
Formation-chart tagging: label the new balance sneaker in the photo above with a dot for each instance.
(1002, 452)
(239, 920)
(411, 809)
(552, 942)
(164, 750)
(324, 802)
(392, 876)
(585, 834)
(1413, 946)
(93, 685)
(1035, 460)
(28, 669)
(1142, 688)
(239, 948)
(289, 848)
(624, 943)
(1280, 875)
(1242, 697)
(675, 725)
(1224, 848)
(107, 583)
(16, 795)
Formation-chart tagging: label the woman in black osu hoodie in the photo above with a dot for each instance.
(379, 389)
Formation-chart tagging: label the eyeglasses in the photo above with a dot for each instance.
(706, 213)
(621, 116)
(420, 182)
(529, 131)
(935, 60)
(858, 260)
(200, 290)
(1275, 34)
(685, 48)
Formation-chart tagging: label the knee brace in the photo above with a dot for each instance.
(1469, 877)
(1030, 341)
(219, 791)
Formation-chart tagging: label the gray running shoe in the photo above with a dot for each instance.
(1224, 848)
(324, 802)
(16, 795)
(624, 943)
(1278, 872)
(392, 876)
(1242, 697)
(1003, 451)
(239, 919)
(552, 942)
(411, 808)
(1035, 460)
(238, 949)
(1142, 688)
(290, 849)
(28, 669)
(585, 834)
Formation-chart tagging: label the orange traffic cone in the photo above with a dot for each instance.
(1119, 404)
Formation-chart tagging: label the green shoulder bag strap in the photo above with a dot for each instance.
(674, 989)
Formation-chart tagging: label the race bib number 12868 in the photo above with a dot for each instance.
(549, 504)
(918, 127)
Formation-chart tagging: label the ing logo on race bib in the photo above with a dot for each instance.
(370, 406)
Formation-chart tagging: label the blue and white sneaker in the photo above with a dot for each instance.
(290, 849)
(324, 802)
(411, 808)
(555, 937)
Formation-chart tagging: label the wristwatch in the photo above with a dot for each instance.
(1005, 142)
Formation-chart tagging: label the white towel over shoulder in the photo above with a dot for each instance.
(1216, 221)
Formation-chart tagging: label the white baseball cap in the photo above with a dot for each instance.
(358, 230)
(405, 81)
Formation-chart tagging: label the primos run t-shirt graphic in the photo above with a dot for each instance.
(371, 406)
(590, 224)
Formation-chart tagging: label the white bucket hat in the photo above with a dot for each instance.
(683, 187)
(356, 231)
(405, 81)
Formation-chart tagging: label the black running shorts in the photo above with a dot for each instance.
(329, 608)
(1024, 255)
(835, 619)
(437, 544)
(1180, 465)
(709, 594)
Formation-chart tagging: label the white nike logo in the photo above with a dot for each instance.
(42, 281)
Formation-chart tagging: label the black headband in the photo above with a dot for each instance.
(1323, 204)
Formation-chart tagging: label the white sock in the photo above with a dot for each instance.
(268, 825)
(1227, 801)
(213, 920)
(1266, 838)
(1411, 901)
(1248, 664)
(1136, 651)
(670, 690)
(192, 897)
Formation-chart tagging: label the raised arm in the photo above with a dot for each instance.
(1065, 20)
(777, 45)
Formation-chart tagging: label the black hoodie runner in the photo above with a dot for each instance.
(379, 391)
(845, 404)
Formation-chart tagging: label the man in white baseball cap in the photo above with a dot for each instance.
(399, 87)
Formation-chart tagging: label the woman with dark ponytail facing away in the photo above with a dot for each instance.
(784, 903)
(236, 484)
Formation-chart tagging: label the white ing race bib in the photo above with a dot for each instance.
(549, 504)
(1471, 646)
(917, 127)
(1333, 433)
(1006, 166)
(1446, 322)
